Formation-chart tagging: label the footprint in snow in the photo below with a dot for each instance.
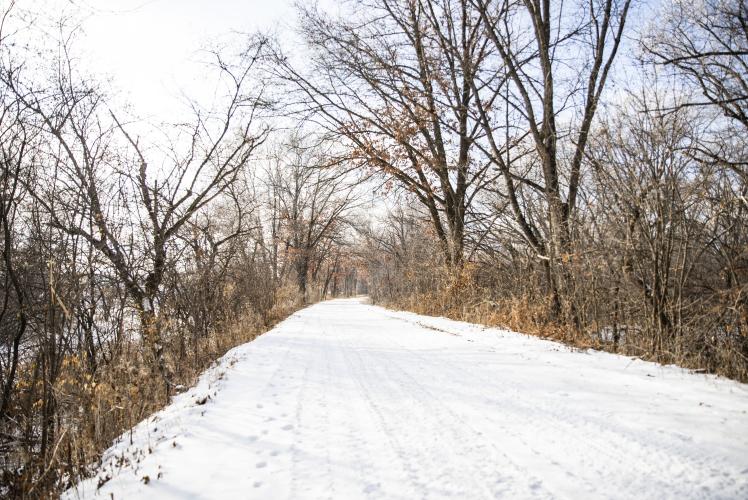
(371, 488)
(261, 465)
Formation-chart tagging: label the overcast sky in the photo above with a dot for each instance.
(152, 48)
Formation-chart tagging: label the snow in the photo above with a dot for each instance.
(347, 400)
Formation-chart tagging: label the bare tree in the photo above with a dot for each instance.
(534, 39)
(131, 214)
(396, 82)
(647, 183)
(18, 146)
(312, 196)
(706, 43)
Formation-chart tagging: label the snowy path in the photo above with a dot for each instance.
(346, 401)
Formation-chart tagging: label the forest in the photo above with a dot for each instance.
(574, 170)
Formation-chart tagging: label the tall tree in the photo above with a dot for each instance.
(395, 80)
(555, 102)
(312, 196)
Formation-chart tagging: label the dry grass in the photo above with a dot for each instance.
(91, 409)
(459, 297)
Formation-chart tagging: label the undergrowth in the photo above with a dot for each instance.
(92, 407)
(459, 296)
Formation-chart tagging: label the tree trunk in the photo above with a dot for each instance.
(152, 340)
(302, 270)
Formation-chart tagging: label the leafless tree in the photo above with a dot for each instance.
(312, 196)
(556, 101)
(396, 81)
(706, 43)
(131, 213)
(647, 183)
(17, 148)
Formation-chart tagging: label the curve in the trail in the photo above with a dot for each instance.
(344, 400)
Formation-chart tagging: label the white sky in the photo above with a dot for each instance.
(152, 48)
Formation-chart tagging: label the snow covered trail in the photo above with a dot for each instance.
(344, 400)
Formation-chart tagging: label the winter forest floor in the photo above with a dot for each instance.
(345, 400)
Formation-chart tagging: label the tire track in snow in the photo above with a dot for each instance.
(423, 410)
(446, 419)
(651, 455)
(356, 426)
